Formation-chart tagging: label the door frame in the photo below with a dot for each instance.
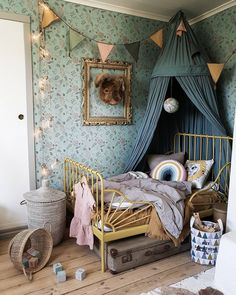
(29, 90)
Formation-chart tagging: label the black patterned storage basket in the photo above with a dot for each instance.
(46, 207)
(205, 245)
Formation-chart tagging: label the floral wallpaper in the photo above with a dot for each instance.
(218, 34)
(105, 148)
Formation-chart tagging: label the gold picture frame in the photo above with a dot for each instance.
(95, 110)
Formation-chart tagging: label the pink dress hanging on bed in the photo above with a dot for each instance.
(80, 227)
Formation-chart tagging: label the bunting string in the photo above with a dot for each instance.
(89, 38)
(229, 57)
(75, 36)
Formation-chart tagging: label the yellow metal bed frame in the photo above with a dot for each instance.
(195, 145)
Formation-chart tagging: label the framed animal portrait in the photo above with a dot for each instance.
(106, 92)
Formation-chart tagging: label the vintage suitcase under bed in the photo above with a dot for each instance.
(131, 252)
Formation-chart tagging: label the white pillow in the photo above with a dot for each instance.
(198, 172)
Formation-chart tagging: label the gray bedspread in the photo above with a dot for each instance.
(167, 196)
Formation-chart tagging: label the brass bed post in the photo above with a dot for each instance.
(102, 241)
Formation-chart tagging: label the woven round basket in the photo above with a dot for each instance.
(39, 239)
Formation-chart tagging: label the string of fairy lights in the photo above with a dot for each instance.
(44, 95)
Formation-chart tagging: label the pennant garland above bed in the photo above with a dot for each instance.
(75, 37)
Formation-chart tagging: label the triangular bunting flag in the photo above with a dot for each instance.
(133, 49)
(204, 256)
(216, 243)
(204, 242)
(215, 70)
(75, 38)
(181, 28)
(158, 38)
(104, 50)
(48, 17)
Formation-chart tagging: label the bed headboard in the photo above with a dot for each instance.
(207, 147)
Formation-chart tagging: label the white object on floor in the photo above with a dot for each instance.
(225, 273)
(80, 274)
(194, 284)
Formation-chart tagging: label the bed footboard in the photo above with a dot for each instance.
(111, 220)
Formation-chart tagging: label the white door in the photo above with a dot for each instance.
(16, 125)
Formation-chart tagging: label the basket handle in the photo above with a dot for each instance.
(50, 226)
(220, 225)
(23, 202)
(192, 221)
(28, 276)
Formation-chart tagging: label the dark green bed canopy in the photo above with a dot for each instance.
(181, 70)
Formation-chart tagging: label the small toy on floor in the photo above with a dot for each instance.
(30, 258)
(80, 274)
(60, 272)
(25, 262)
(57, 267)
(61, 276)
(33, 262)
(33, 252)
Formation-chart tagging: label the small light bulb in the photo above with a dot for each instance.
(47, 123)
(55, 164)
(35, 36)
(38, 132)
(44, 170)
(43, 83)
(44, 53)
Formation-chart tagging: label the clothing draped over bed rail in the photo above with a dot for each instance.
(181, 58)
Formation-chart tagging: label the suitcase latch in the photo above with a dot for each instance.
(127, 258)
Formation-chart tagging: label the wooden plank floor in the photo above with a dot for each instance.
(144, 278)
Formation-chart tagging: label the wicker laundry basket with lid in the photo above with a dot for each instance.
(47, 207)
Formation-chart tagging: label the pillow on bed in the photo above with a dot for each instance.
(155, 159)
(169, 170)
(198, 171)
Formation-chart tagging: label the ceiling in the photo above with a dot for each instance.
(163, 10)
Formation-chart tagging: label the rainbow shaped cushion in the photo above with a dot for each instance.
(169, 170)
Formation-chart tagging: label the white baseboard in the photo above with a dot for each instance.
(7, 233)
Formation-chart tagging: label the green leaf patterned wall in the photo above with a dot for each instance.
(218, 35)
(105, 148)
